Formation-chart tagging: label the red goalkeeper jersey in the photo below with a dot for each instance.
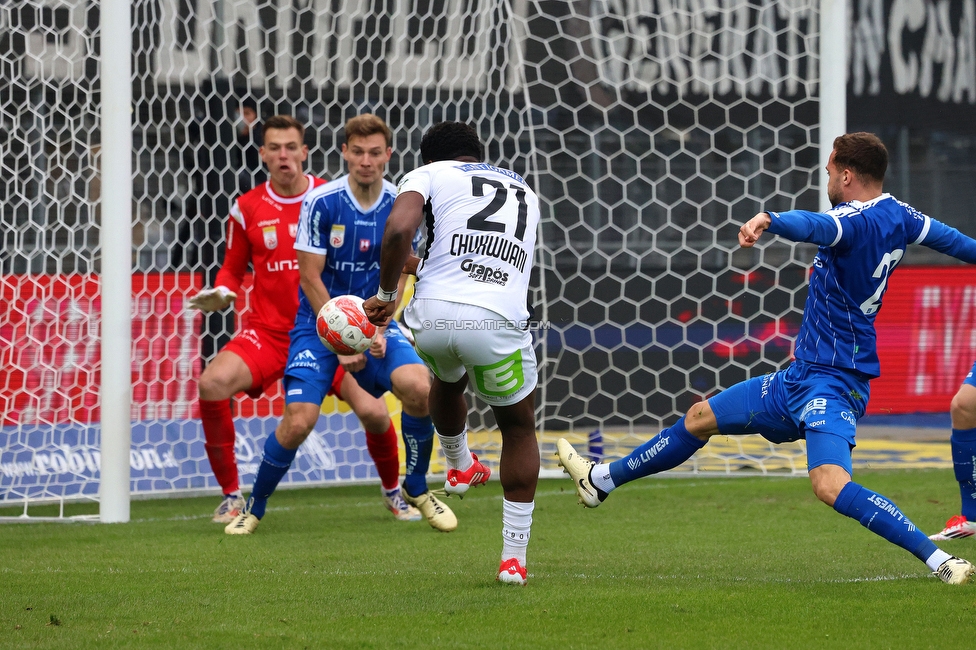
(261, 233)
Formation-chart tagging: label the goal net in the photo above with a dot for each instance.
(650, 129)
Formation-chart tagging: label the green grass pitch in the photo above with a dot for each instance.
(665, 563)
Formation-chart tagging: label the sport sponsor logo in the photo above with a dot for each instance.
(490, 245)
(251, 336)
(814, 408)
(482, 273)
(817, 423)
(648, 454)
(268, 222)
(305, 359)
(886, 506)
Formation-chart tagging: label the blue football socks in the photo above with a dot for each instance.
(664, 451)
(882, 517)
(274, 465)
(964, 465)
(418, 438)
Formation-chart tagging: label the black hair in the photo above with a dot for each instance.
(450, 140)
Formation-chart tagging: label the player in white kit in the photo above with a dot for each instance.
(468, 314)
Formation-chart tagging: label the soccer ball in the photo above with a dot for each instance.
(343, 327)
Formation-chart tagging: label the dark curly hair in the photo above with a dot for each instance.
(450, 140)
(863, 153)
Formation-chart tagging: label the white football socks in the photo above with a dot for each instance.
(600, 477)
(516, 522)
(456, 450)
(936, 559)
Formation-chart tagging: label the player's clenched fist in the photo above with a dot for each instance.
(751, 230)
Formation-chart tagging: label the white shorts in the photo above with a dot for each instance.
(454, 339)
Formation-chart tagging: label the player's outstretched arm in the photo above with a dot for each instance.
(751, 230)
(404, 219)
(950, 241)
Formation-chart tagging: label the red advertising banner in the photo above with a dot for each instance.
(926, 339)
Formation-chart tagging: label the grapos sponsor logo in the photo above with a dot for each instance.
(648, 454)
(482, 273)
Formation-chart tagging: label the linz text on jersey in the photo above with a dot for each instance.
(356, 266)
(283, 265)
(490, 245)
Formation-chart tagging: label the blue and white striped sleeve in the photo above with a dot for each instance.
(310, 237)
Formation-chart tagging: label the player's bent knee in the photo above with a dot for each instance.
(962, 409)
(827, 482)
(295, 427)
(212, 387)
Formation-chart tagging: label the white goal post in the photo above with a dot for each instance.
(650, 129)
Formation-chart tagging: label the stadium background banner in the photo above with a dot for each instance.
(925, 339)
(50, 438)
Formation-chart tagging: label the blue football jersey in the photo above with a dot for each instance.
(861, 244)
(333, 224)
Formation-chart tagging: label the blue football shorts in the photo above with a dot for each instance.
(311, 367)
(806, 401)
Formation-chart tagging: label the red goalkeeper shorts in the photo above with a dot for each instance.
(265, 353)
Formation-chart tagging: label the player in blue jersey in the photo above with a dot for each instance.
(962, 410)
(338, 245)
(821, 395)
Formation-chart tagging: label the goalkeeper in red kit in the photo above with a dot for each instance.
(261, 233)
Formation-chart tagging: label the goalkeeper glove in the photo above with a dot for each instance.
(212, 299)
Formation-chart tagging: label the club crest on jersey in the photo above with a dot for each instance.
(338, 236)
(363, 245)
(293, 230)
(270, 237)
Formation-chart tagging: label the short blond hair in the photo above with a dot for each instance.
(367, 124)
